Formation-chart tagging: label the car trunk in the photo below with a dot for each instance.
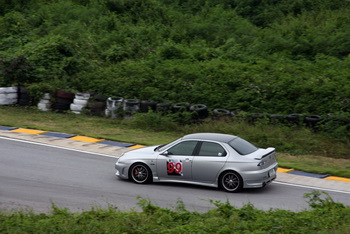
(264, 157)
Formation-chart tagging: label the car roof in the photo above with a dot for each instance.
(210, 136)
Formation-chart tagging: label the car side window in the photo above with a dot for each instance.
(211, 149)
(183, 148)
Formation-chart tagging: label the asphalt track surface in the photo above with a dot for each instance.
(35, 176)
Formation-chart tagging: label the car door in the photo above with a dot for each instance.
(175, 163)
(209, 159)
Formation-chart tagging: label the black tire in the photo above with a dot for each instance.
(230, 181)
(163, 107)
(201, 110)
(60, 106)
(23, 96)
(22, 90)
(23, 102)
(66, 95)
(145, 106)
(99, 97)
(313, 119)
(221, 112)
(140, 173)
(179, 107)
(131, 105)
(96, 105)
(275, 118)
(64, 101)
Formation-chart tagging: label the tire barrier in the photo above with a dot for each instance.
(23, 96)
(200, 110)
(79, 102)
(99, 105)
(219, 113)
(96, 105)
(66, 95)
(44, 103)
(275, 119)
(131, 106)
(294, 118)
(63, 100)
(163, 107)
(312, 120)
(113, 106)
(8, 95)
(145, 106)
(180, 107)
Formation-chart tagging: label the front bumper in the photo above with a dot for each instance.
(122, 171)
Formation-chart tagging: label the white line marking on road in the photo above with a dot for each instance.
(59, 147)
(311, 187)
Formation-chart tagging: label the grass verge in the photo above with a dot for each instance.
(298, 147)
(326, 216)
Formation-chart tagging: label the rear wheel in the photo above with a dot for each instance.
(140, 173)
(231, 182)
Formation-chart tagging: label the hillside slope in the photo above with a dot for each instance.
(257, 56)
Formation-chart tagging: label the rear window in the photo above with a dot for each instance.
(242, 146)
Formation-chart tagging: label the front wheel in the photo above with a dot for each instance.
(231, 182)
(140, 173)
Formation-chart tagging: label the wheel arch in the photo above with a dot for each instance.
(221, 174)
(144, 164)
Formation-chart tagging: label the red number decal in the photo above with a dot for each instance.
(178, 168)
(171, 167)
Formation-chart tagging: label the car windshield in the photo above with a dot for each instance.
(242, 146)
(162, 147)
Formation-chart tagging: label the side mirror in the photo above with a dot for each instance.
(165, 153)
(219, 154)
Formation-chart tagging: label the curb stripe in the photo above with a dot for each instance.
(284, 170)
(30, 131)
(337, 178)
(136, 147)
(86, 139)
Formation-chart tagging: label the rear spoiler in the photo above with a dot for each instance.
(271, 151)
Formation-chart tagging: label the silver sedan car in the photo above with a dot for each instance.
(211, 159)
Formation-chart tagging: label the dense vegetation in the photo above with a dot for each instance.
(326, 216)
(256, 56)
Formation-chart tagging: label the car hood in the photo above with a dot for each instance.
(141, 151)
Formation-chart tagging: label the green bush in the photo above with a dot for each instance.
(278, 58)
(325, 216)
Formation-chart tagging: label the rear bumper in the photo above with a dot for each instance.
(260, 178)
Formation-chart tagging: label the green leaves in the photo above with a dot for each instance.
(326, 217)
(253, 56)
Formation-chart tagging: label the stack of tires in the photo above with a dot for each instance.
(62, 101)
(79, 102)
(23, 96)
(45, 103)
(96, 105)
(113, 106)
(145, 106)
(131, 106)
(8, 95)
